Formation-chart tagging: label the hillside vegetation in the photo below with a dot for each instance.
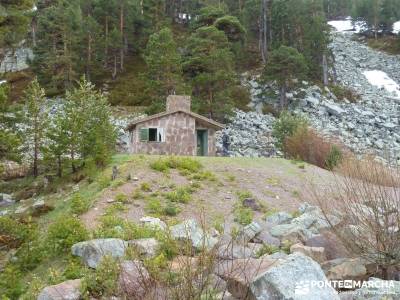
(171, 188)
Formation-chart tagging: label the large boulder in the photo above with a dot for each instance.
(334, 109)
(248, 232)
(235, 251)
(239, 273)
(145, 247)
(306, 226)
(134, 280)
(334, 248)
(292, 278)
(287, 278)
(68, 290)
(264, 237)
(11, 170)
(6, 199)
(316, 253)
(93, 251)
(345, 269)
(153, 223)
(190, 231)
(278, 218)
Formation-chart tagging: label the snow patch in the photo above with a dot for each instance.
(396, 27)
(347, 25)
(341, 25)
(382, 80)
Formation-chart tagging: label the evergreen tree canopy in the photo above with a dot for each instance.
(285, 65)
(14, 21)
(164, 64)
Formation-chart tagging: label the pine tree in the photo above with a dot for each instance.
(57, 141)
(210, 67)
(14, 22)
(91, 135)
(284, 66)
(57, 54)
(36, 120)
(9, 140)
(164, 68)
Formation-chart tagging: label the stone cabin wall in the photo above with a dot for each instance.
(180, 136)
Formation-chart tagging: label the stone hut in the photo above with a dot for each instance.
(177, 131)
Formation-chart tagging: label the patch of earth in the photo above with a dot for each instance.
(279, 184)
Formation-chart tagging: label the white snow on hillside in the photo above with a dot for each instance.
(396, 27)
(347, 25)
(382, 80)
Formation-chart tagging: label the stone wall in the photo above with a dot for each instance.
(180, 136)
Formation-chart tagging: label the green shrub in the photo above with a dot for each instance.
(74, 269)
(137, 194)
(160, 165)
(171, 210)
(104, 182)
(11, 284)
(243, 215)
(181, 195)
(14, 233)
(187, 164)
(204, 175)
(267, 249)
(154, 206)
(121, 197)
(79, 205)
(134, 231)
(168, 246)
(103, 282)
(30, 255)
(145, 187)
(342, 93)
(117, 183)
(65, 232)
(242, 195)
(114, 208)
(285, 126)
(285, 246)
(333, 158)
(110, 227)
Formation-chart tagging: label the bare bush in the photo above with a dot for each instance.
(365, 196)
(305, 144)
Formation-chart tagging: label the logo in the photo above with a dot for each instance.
(303, 287)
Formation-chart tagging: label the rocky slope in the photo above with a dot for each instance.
(371, 125)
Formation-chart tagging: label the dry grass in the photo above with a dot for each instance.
(365, 197)
(306, 145)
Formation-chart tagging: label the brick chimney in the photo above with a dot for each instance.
(176, 102)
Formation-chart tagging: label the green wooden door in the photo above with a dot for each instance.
(202, 142)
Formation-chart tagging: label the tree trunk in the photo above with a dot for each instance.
(122, 35)
(264, 27)
(325, 69)
(33, 32)
(106, 46)
(282, 96)
(59, 166)
(35, 160)
(89, 57)
(114, 73)
(73, 162)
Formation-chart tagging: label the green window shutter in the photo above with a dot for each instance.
(144, 134)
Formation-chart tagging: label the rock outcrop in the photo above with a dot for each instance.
(68, 290)
(93, 251)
